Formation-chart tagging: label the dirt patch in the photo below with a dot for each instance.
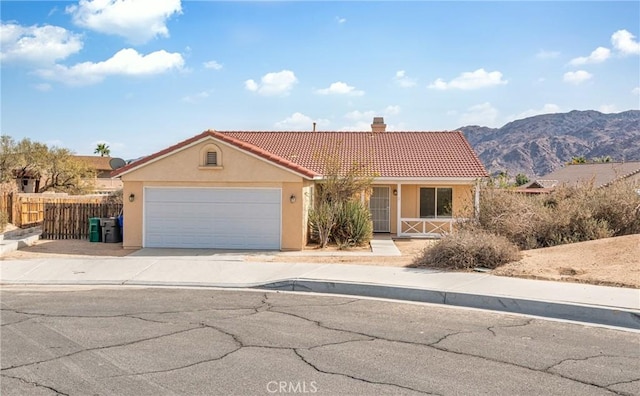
(609, 262)
(408, 247)
(68, 248)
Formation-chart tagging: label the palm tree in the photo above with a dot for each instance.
(102, 149)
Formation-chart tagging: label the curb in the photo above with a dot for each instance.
(602, 315)
(11, 245)
(610, 316)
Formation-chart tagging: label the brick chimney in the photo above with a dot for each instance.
(378, 125)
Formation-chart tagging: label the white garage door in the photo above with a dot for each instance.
(214, 218)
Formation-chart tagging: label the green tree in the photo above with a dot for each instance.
(577, 160)
(56, 168)
(102, 149)
(521, 179)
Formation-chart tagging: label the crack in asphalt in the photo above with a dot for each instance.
(313, 366)
(623, 382)
(130, 314)
(100, 348)
(435, 346)
(17, 321)
(57, 392)
(544, 371)
(526, 323)
(578, 360)
(267, 306)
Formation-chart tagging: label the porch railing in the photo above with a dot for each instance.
(421, 227)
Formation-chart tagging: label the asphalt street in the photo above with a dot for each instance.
(176, 341)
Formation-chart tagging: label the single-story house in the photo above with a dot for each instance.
(103, 183)
(601, 174)
(253, 190)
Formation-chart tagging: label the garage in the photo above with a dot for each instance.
(212, 218)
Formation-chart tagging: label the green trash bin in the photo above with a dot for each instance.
(95, 234)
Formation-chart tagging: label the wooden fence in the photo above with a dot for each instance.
(6, 205)
(71, 220)
(27, 210)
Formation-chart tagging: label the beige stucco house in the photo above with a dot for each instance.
(253, 190)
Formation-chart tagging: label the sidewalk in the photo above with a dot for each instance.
(571, 301)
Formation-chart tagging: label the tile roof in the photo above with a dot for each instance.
(386, 154)
(601, 174)
(96, 161)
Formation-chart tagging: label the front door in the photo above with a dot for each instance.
(379, 208)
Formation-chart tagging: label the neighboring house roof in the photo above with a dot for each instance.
(97, 162)
(601, 174)
(387, 154)
(540, 183)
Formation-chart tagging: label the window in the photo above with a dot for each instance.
(435, 202)
(212, 158)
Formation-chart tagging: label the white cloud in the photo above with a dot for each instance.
(37, 44)
(340, 88)
(608, 108)
(300, 122)
(196, 98)
(126, 62)
(470, 80)
(598, 55)
(212, 65)
(546, 109)
(624, 42)
(577, 77)
(356, 115)
(277, 83)
(542, 54)
(636, 91)
(482, 114)
(44, 87)
(361, 120)
(137, 20)
(392, 110)
(341, 20)
(403, 80)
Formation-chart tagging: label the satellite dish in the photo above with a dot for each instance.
(116, 163)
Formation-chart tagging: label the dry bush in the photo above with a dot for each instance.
(468, 248)
(517, 217)
(567, 215)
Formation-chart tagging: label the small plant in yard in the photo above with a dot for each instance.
(468, 248)
(353, 225)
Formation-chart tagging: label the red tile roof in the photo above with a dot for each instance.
(387, 154)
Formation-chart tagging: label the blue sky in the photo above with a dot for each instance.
(142, 75)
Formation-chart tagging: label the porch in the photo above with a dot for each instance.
(422, 209)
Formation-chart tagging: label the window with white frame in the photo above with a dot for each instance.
(436, 202)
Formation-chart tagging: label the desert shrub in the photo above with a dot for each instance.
(618, 205)
(468, 248)
(353, 225)
(4, 220)
(567, 215)
(517, 217)
(321, 222)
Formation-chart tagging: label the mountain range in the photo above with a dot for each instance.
(540, 144)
